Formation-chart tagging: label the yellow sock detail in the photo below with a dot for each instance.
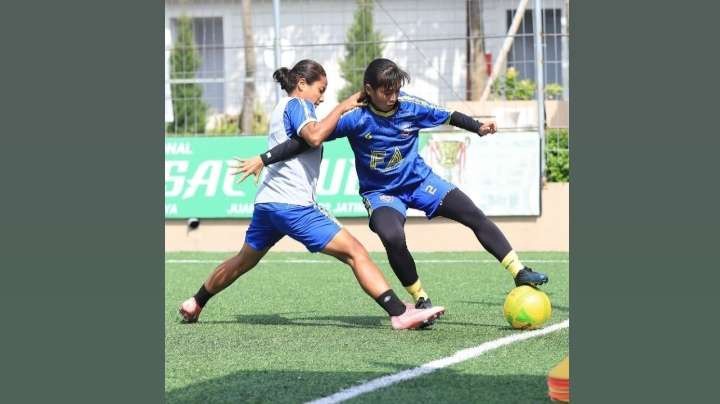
(416, 291)
(512, 263)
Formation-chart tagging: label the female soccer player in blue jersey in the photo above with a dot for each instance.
(393, 176)
(285, 204)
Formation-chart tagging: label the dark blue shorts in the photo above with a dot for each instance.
(425, 197)
(311, 225)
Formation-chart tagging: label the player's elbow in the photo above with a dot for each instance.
(313, 141)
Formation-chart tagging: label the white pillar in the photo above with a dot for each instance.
(276, 17)
(539, 79)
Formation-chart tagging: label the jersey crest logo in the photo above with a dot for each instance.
(367, 136)
(407, 130)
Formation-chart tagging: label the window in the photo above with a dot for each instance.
(208, 33)
(522, 53)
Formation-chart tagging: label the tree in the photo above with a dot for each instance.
(477, 74)
(248, 105)
(361, 48)
(189, 110)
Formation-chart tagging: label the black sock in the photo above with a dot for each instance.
(202, 296)
(391, 303)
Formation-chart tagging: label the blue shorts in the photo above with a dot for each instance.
(425, 197)
(310, 225)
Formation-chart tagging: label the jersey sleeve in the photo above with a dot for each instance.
(427, 115)
(298, 113)
(345, 126)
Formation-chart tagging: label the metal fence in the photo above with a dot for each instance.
(451, 49)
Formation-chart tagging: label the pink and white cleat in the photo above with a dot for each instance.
(416, 318)
(190, 310)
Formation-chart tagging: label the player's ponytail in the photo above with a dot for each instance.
(282, 76)
(306, 69)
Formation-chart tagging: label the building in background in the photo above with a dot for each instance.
(427, 38)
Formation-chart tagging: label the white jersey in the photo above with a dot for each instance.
(291, 181)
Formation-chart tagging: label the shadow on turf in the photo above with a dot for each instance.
(288, 386)
(330, 321)
(319, 321)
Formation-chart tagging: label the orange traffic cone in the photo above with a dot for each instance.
(559, 381)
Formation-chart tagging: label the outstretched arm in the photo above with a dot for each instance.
(429, 115)
(460, 120)
(312, 135)
(315, 133)
(283, 151)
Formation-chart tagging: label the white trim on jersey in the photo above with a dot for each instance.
(302, 125)
(308, 118)
(419, 101)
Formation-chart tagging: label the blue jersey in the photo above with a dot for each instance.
(386, 144)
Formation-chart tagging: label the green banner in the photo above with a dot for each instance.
(500, 173)
(198, 182)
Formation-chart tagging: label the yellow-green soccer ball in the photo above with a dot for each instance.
(526, 308)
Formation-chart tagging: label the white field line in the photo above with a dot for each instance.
(315, 261)
(459, 356)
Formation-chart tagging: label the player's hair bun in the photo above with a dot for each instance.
(282, 76)
(307, 69)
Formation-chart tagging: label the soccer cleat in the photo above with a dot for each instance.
(414, 318)
(190, 310)
(423, 303)
(527, 276)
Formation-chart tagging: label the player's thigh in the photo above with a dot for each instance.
(428, 196)
(262, 232)
(388, 223)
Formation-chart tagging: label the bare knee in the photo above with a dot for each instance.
(356, 254)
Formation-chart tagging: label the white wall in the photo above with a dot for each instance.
(437, 68)
(432, 68)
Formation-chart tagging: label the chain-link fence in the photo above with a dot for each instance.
(221, 55)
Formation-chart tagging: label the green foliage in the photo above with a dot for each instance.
(360, 49)
(553, 91)
(224, 125)
(558, 155)
(509, 87)
(229, 125)
(189, 110)
(261, 122)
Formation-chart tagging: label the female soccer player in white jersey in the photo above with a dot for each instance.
(285, 204)
(393, 176)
